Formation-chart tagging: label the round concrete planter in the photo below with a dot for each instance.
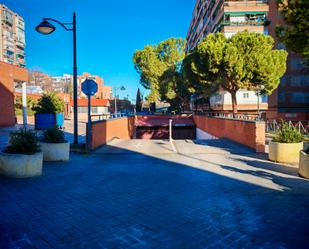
(20, 165)
(284, 152)
(303, 164)
(53, 152)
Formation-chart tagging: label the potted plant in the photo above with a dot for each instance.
(286, 145)
(49, 112)
(54, 145)
(22, 158)
(304, 163)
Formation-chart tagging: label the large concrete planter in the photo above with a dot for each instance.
(284, 152)
(53, 152)
(303, 164)
(20, 165)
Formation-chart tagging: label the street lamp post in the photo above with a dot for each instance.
(46, 28)
(122, 88)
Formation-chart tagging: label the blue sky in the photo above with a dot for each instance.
(108, 34)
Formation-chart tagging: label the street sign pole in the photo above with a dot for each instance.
(89, 123)
(89, 88)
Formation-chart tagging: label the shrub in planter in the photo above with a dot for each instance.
(54, 145)
(304, 163)
(22, 158)
(286, 145)
(49, 111)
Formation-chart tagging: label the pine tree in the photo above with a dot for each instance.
(138, 105)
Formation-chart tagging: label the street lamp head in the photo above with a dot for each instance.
(45, 28)
(122, 88)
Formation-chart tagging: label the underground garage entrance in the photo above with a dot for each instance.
(158, 127)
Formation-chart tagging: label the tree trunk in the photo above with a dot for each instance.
(234, 103)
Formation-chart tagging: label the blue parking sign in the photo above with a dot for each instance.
(89, 87)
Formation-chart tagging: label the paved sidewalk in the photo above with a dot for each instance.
(68, 131)
(212, 195)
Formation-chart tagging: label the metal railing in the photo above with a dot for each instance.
(301, 126)
(108, 116)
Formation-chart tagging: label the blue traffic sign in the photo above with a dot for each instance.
(89, 87)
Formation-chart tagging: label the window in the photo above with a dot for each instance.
(246, 95)
(94, 109)
(82, 109)
(264, 98)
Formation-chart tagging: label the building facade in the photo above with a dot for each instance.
(62, 84)
(10, 77)
(291, 99)
(229, 17)
(42, 80)
(12, 37)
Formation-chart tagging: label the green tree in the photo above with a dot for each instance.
(295, 34)
(244, 61)
(139, 103)
(159, 67)
(49, 103)
(31, 103)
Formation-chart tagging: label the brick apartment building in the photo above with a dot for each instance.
(291, 100)
(12, 37)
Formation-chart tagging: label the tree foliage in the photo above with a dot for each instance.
(244, 61)
(23, 142)
(295, 34)
(49, 103)
(53, 135)
(288, 134)
(31, 103)
(159, 67)
(139, 103)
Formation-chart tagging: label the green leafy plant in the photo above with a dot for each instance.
(247, 60)
(53, 135)
(31, 103)
(49, 103)
(23, 142)
(288, 134)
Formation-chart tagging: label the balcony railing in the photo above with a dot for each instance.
(247, 23)
(230, 3)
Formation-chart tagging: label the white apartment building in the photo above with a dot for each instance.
(12, 37)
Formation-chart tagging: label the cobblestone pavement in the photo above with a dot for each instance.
(220, 197)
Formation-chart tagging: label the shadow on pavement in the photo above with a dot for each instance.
(144, 201)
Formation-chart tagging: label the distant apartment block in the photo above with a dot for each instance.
(291, 99)
(42, 80)
(229, 17)
(62, 84)
(104, 92)
(12, 37)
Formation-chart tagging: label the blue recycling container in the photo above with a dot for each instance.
(46, 121)
(59, 119)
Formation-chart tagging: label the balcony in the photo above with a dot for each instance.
(231, 3)
(247, 23)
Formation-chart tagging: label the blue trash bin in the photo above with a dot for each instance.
(59, 120)
(44, 121)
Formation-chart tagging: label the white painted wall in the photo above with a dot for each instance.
(202, 135)
(244, 97)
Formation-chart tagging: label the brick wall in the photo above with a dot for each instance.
(8, 75)
(106, 130)
(248, 133)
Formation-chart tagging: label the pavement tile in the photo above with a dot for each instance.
(223, 199)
